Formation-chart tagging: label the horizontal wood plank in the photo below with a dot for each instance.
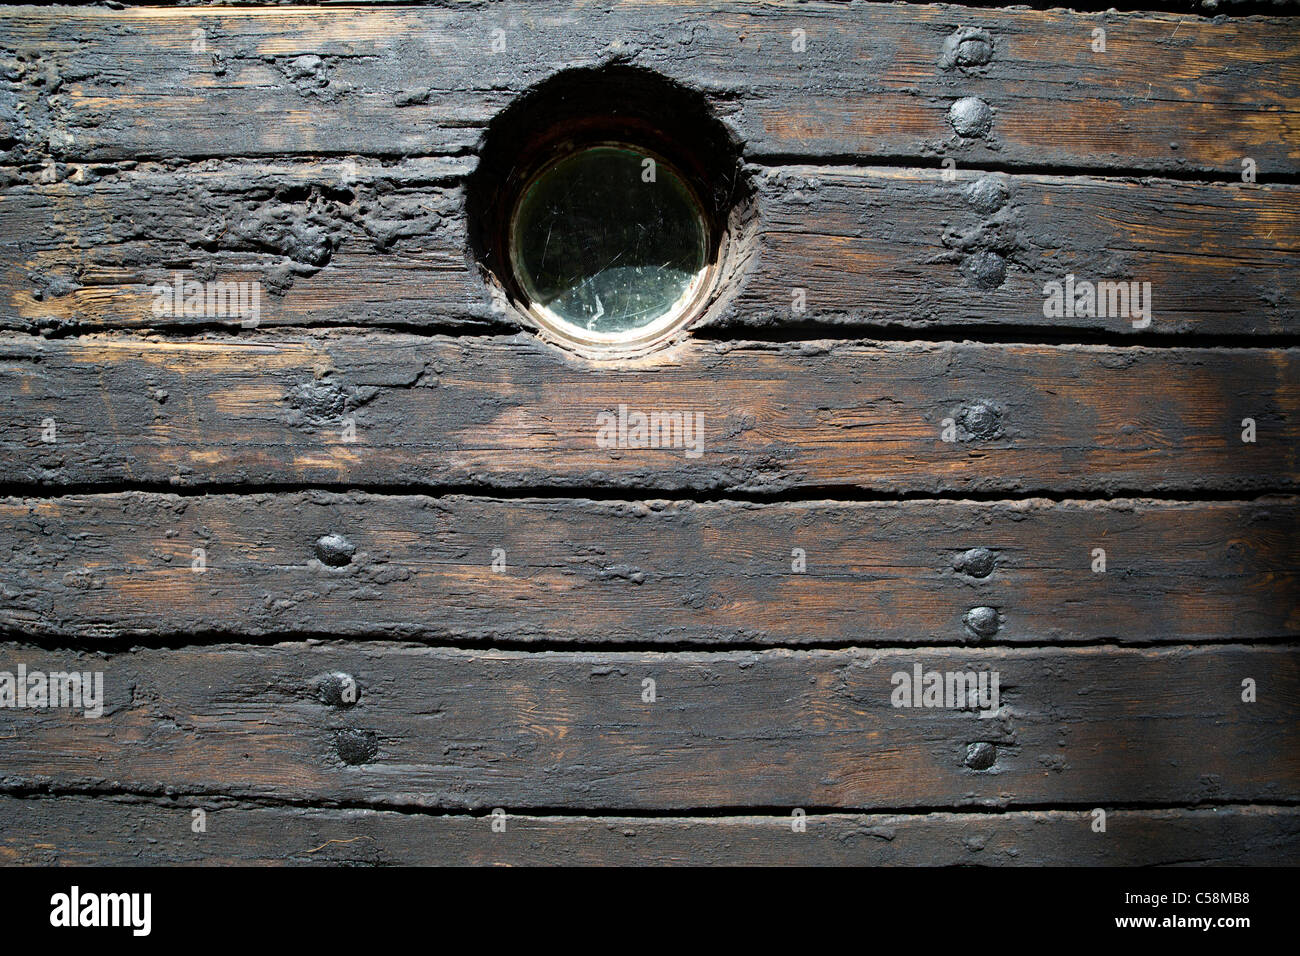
(413, 567)
(812, 729)
(514, 412)
(48, 832)
(1170, 92)
(357, 241)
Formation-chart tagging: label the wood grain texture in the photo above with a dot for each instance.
(875, 80)
(80, 831)
(514, 412)
(595, 572)
(814, 729)
(648, 680)
(359, 241)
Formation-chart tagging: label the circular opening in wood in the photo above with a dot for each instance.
(609, 243)
(610, 211)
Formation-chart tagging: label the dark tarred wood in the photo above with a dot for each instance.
(513, 412)
(324, 154)
(362, 242)
(413, 567)
(455, 729)
(1171, 92)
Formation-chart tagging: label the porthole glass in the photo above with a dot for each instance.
(609, 243)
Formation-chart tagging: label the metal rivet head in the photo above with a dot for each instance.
(334, 550)
(977, 562)
(980, 756)
(356, 746)
(987, 195)
(966, 46)
(980, 420)
(987, 270)
(337, 689)
(971, 117)
(982, 621)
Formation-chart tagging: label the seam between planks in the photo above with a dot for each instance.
(829, 495)
(776, 812)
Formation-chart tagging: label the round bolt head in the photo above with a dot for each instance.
(977, 562)
(966, 47)
(987, 195)
(987, 270)
(982, 621)
(971, 117)
(981, 755)
(980, 420)
(356, 746)
(337, 689)
(334, 550)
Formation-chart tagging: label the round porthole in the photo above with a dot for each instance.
(609, 211)
(609, 244)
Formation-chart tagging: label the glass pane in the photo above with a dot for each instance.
(607, 241)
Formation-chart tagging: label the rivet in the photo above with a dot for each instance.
(981, 755)
(982, 621)
(966, 46)
(334, 550)
(987, 270)
(970, 117)
(980, 420)
(338, 689)
(987, 195)
(356, 746)
(977, 562)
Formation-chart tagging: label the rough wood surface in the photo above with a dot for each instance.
(644, 680)
(514, 412)
(362, 566)
(359, 241)
(814, 729)
(47, 832)
(1171, 91)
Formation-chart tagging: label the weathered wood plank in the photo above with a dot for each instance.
(106, 831)
(526, 731)
(905, 248)
(515, 412)
(873, 80)
(361, 242)
(327, 241)
(413, 567)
